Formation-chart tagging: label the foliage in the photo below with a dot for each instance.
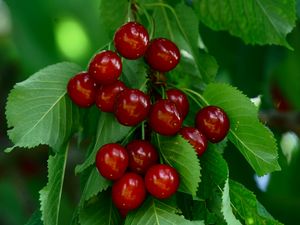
(38, 112)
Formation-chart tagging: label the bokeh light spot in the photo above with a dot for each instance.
(72, 39)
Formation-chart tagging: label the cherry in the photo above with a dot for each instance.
(195, 138)
(112, 161)
(180, 100)
(105, 67)
(161, 181)
(164, 117)
(142, 155)
(128, 192)
(213, 122)
(106, 95)
(162, 55)
(131, 40)
(131, 107)
(82, 89)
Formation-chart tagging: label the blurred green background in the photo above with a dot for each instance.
(34, 34)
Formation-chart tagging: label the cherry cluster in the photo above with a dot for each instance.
(140, 158)
(134, 168)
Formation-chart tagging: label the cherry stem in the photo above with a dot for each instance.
(201, 98)
(143, 130)
(149, 19)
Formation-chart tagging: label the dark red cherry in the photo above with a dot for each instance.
(213, 122)
(128, 192)
(131, 107)
(164, 117)
(106, 95)
(112, 161)
(180, 100)
(142, 155)
(195, 138)
(131, 40)
(82, 89)
(162, 181)
(162, 55)
(105, 67)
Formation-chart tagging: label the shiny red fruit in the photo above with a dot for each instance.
(131, 40)
(164, 117)
(142, 155)
(112, 161)
(162, 55)
(128, 192)
(195, 138)
(213, 122)
(82, 89)
(162, 181)
(106, 95)
(131, 107)
(105, 67)
(180, 100)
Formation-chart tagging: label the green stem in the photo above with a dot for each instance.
(143, 130)
(201, 98)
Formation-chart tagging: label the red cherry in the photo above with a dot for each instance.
(213, 122)
(131, 107)
(106, 95)
(128, 192)
(105, 67)
(161, 181)
(180, 100)
(164, 117)
(195, 138)
(141, 155)
(131, 40)
(162, 55)
(112, 161)
(82, 89)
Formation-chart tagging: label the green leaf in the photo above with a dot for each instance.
(226, 207)
(134, 74)
(109, 131)
(180, 154)
(253, 139)
(206, 65)
(35, 218)
(247, 206)
(38, 110)
(50, 195)
(255, 21)
(100, 212)
(95, 184)
(113, 14)
(157, 212)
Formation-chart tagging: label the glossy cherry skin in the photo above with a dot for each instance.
(131, 40)
(131, 107)
(105, 67)
(164, 117)
(128, 192)
(162, 181)
(213, 122)
(142, 155)
(82, 89)
(162, 55)
(180, 100)
(112, 161)
(106, 95)
(195, 138)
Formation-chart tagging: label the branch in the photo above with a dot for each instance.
(284, 121)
